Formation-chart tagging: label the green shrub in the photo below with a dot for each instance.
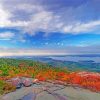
(6, 87)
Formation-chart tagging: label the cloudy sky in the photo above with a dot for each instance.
(49, 27)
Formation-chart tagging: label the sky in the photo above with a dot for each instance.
(49, 27)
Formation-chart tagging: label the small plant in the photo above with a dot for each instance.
(6, 87)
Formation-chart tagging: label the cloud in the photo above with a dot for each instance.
(82, 27)
(4, 16)
(29, 52)
(30, 16)
(70, 50)
(6, 35)
(5, 21)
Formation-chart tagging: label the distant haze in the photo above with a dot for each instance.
(76, 59)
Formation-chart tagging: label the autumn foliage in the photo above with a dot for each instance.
(88, 80)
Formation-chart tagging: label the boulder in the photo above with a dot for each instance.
(16, 82)
(35, 81)
(27, 82)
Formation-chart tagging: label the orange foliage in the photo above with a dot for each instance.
(87, 80)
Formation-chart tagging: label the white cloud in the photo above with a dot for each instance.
(70, 50)
(82, 27)
(5, 21)
(42, 21)
(29, 52)
(31, 17)
(6, 35)
(4, 17)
